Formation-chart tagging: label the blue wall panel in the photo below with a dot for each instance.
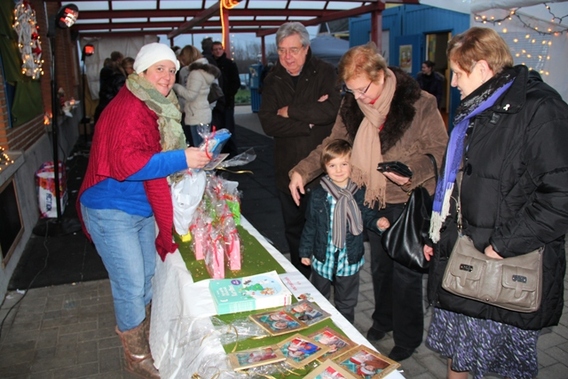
(409, 20)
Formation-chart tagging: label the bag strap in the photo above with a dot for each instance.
(459, 221)
(433, 164)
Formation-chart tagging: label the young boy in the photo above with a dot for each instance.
(332, 240)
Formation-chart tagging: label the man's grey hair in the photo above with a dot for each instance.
(290, 28)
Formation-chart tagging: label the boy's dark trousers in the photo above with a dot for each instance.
(345, 292)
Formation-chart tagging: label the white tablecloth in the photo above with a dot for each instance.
(182, 336)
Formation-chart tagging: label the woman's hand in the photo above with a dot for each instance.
(397, 179)
(196, 158)
(428, 252)
(491, 253)
(296, 187)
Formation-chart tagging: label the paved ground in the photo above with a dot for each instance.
(67, 331)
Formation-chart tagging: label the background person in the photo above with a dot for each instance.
(514, 199)
(230, 82)
(332, 240)
(299, 106)
(387, 118)
(125, 193)
(207, 50)
(111, 80)
(431, 81)
(128, 65)
(200, 75)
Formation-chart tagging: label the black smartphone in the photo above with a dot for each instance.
(396, 167)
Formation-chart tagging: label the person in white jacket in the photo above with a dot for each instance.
(200, 74)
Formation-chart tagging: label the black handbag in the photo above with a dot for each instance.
(404, 240)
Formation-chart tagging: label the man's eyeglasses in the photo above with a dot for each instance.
(357, 91)
(292, 50)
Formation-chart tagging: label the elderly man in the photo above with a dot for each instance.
(299, 107)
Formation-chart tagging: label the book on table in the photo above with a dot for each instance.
(249, 293)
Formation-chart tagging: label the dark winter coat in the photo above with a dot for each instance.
(433, 84)
(316, 230)
(111, 81)
(514, 196)
(229, 81)
(293, 137)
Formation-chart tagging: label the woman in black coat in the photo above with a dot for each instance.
(508, 142)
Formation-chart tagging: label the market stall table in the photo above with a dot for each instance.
(182, 337)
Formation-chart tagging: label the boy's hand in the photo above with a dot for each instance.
(383, 223)
(306, 261)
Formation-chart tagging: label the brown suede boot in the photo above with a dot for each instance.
(146, 321)
(137, 352)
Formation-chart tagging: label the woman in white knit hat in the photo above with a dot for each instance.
(138, 146)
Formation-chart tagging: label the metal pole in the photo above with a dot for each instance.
(54, 126)
(85, 118)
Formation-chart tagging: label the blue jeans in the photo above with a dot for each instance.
(126, 245)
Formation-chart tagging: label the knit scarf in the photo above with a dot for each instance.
(366, 153)
(454, 153)
(171, 138)
(167, 109)
(346, 211)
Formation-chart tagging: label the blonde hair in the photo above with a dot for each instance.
(364, 59)
(189, 54)
(334, 149)
(477, 44)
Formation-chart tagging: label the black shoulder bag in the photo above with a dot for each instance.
(405, 239)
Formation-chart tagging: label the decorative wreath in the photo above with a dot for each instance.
(29, 42)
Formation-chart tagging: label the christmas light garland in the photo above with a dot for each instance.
(5, 160)
(29, 43)
(556, 30)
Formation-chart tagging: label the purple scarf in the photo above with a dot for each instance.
(454, 155)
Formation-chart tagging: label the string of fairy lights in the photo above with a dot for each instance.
(530, 48)
(5, 160)
(556, 28)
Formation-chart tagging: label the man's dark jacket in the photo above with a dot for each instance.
(293, 137)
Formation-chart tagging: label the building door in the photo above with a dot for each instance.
(436, 45)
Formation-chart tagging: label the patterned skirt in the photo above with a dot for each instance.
(483, 346)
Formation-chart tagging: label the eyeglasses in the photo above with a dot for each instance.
(357, 91)
(293, 50)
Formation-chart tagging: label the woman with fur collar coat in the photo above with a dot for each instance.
(386, 117)
(200, 75)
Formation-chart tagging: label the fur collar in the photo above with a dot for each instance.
(209, 68)
(399, 118)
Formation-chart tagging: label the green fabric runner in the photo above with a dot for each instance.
(255, 260)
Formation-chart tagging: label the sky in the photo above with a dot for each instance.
(236, 39)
